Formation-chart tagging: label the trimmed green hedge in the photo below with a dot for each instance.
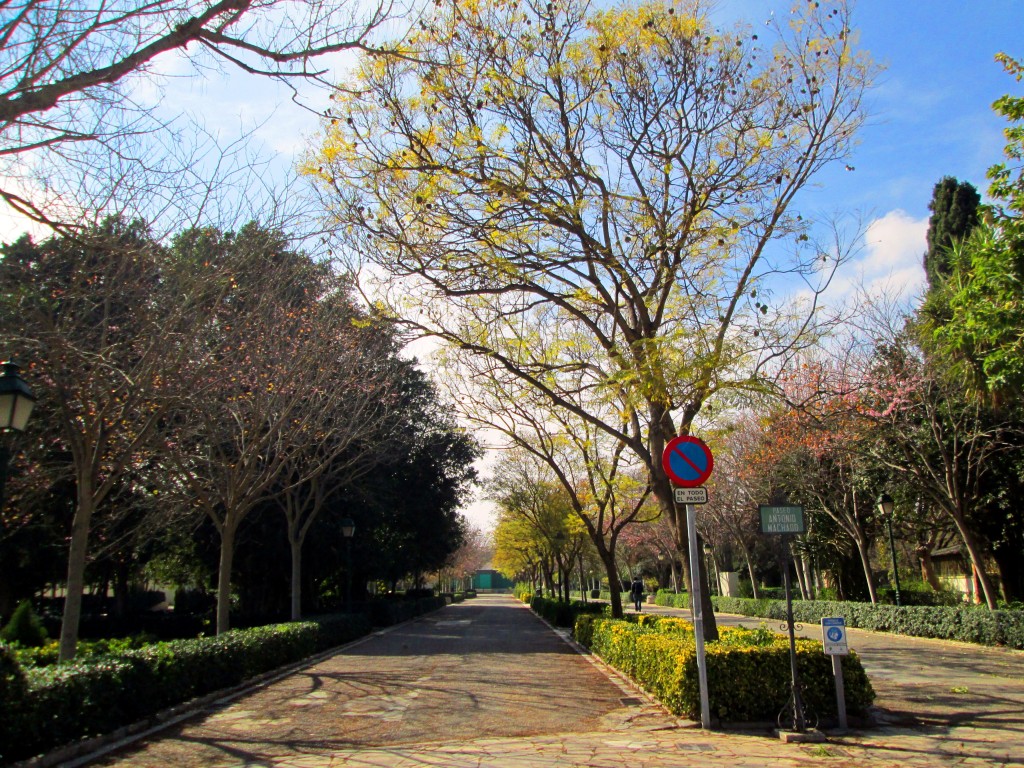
(670, 599)
(969, 624)
(563, 614)
(46, 707)
(748, 670)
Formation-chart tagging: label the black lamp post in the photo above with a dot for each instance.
(16, 403)
(348, 530)
(887, 505)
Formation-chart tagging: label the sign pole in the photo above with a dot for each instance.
(798, 708)
(698, 616)
(833, 639)
(837, 671)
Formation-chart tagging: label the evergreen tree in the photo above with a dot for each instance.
(24, 627)
(954, 208)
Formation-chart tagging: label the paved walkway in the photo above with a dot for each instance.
(485, 684)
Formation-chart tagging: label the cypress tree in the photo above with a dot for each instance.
(954, 208)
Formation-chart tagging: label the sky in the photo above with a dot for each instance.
(930, 116)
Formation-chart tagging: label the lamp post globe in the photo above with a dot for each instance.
(16, 399)
(16, 403)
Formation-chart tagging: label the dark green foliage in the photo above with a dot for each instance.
(12, 699)
(563, 614)
(670, 599)
(748, 670)
(24, 628)
(64, 702)
(969, 624)
(954, 208)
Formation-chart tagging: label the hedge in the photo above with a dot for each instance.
(670, 599)
(46, 707)
(748, 670)
(969, 624)
(563, 614)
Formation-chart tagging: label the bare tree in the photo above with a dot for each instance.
(476, 550)
(68, 72)
(347, 425)
(275, 367)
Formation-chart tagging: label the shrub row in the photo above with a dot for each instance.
(563, 614)
(748, 670)
(46, 707)
(670, 599)
(970, 624)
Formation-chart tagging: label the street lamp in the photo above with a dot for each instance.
(712, 568)
(348, 530)
(887, 505)
(16, 403)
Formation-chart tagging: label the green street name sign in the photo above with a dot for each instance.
(787, 518)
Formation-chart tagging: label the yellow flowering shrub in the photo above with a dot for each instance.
(748, 670)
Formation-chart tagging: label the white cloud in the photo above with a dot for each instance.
(895, 247)
(891, 260)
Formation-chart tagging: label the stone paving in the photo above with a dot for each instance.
(486, 684)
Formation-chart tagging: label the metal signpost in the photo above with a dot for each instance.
(833, 638)
(688, 463)
(787, 519)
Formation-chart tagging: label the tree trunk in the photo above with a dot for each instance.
(808, 577)
(750, 569)
(798, 561)
(227, 556)
(1010, 573)
(295, 543)
(977, 561)
(76, 569)
(865, 562)
(583, 582)
(614, 581)
(928, 568)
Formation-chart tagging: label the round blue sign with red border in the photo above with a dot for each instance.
(687, 461)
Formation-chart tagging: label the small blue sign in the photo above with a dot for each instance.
(833, 636)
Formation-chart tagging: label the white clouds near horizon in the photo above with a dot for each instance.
(891, 260)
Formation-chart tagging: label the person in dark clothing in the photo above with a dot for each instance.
(637, 593)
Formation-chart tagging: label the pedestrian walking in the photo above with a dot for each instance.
(637, 592)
